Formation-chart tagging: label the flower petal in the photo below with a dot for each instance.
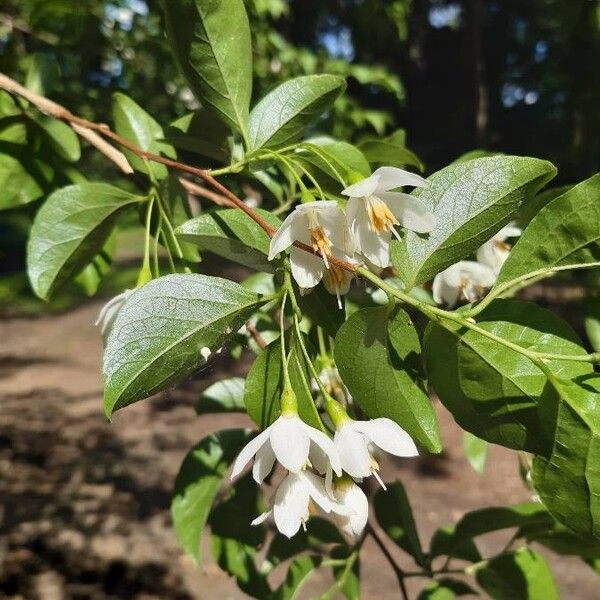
(387, 435)
(375, 247)
(263, 463)
(363, 188)
(391, 178)
(443, 291)
(410, 211)
(480, 275)
(327, 447)
(290, 442)
(353, 525)
(262, 518)
(307, 269)
(508, 231)
(353, 451)
(291, 505)
(318, 492)
(248, 451)
(295, 227)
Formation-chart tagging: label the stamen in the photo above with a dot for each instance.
(380, 216)
(376, 475)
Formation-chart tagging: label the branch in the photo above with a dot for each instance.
(198, 190)
(59, 112)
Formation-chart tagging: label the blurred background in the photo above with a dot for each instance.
(84, 503)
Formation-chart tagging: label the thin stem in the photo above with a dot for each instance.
(146, 271)
(316, 150)
(439, 315)
(522, 281)
(284, 360)
(309, 362)
(399, 572)
(157, 234)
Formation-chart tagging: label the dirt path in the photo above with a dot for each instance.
(84, 503)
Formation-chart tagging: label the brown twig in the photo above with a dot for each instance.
(256, 335)
(198, 190)
(60, 112)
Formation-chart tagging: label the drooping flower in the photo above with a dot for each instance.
(291, 506)
(494, 252)
(108, 313)
(354, 440)
(374, 211)
(289, 440)
(336, 279)
(320, 225)
(351, 497)
(466, 278)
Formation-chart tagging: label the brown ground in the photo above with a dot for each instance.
(84, 503)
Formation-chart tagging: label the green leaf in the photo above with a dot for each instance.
(200, 132)
(234, 541)
(473, 154)
(226, 395)
(298, 573)
(90, 278)
(335, 158)
(69, 230)
(42, 74)
(391, 153)
(395, 517)
(347, 576)
(568, 479)
(322, 309)
(157, 336)
(492, 391)
(533, 207)
(471, 201)
(211, 43)
(230, 233)
(61, 138)
(264, 385)
(486, 520)
(564, 234)
(197, 485)
(523, 574)
(134, 124)
(378, 355)
(445, 542)
(281, 116)
(446, 589)
(23, 179)
(475, 450)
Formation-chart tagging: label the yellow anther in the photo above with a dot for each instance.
(320, 242)
(380, 216)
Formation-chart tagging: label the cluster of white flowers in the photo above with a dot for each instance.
(468, 278)
(361, 234)
(321, 470)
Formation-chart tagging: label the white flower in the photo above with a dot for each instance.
(466, 278)
(353, 440)
(289, 440)
(320, 225)
(291, 508)
(108, 313)
(494, 252)
(350, 496)
(373, 212)
(336, 279)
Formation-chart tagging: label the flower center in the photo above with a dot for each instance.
(320, 242)
(380, 216)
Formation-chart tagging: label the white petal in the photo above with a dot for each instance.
(110, 310)
(318, 459)
(446, 286)
(375, 247)
(294, 228)
(307, 269)
(322, 206)
(508, 231)
(291, 505)
(290, 443)
(327, 447)
(392, 177)
(363, 188)
(410, 211)
(334, 223)
(486, 255)
(248, 451)
(318, 492)
(479, 274)
(263, 463)
(387, 435)
(353, 451)
(262, 518)
(353, 525)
